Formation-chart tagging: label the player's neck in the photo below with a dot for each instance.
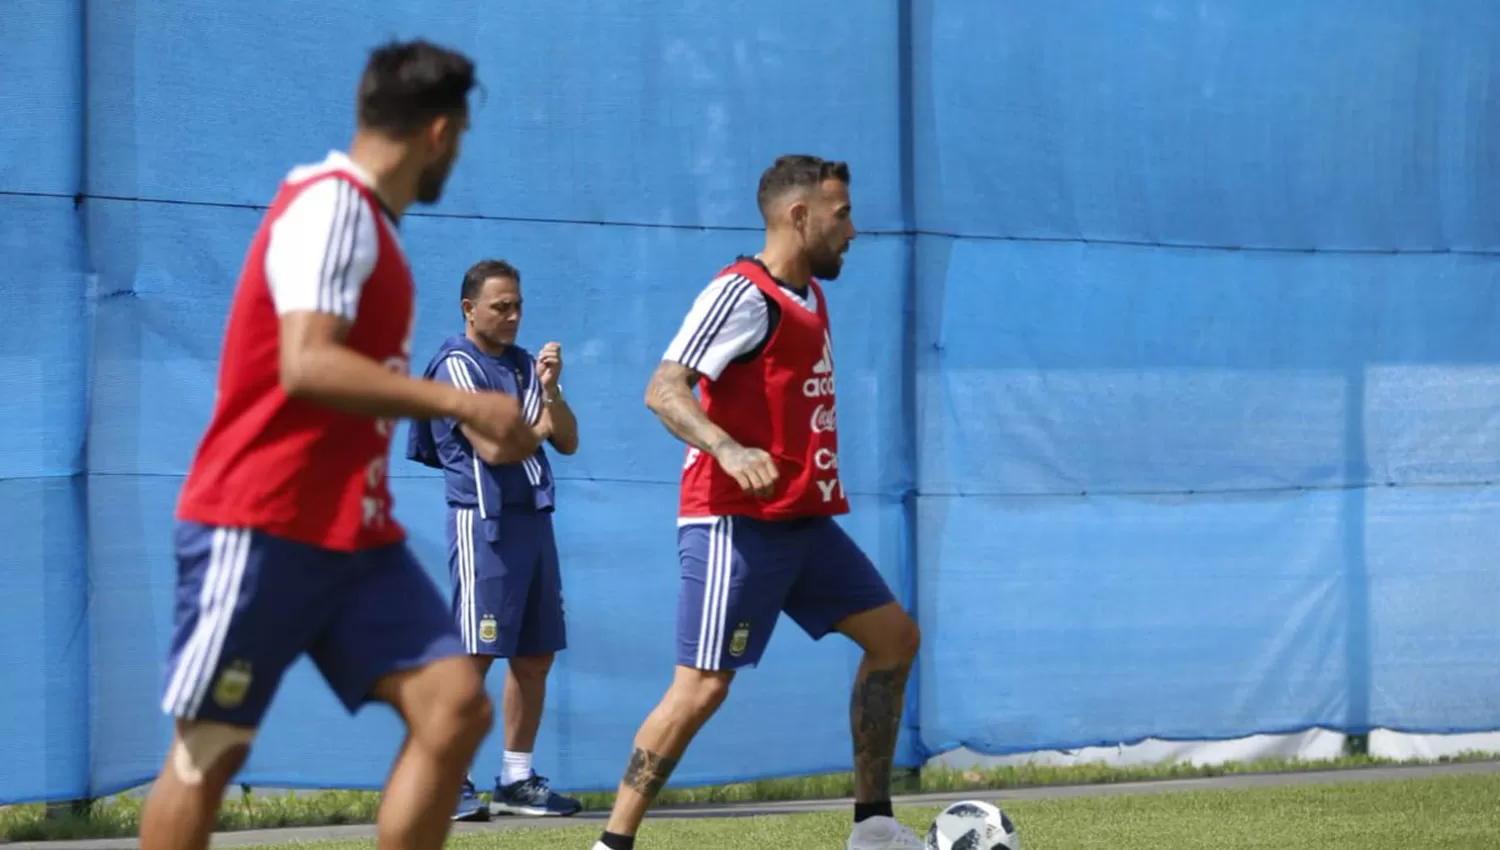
(385, 162)
(786, 265)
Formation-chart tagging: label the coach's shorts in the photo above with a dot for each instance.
(739, 574)
(249, 604)
(507, 583)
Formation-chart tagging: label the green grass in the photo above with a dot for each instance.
(120, 816)
(1448, 813)
(941, 780)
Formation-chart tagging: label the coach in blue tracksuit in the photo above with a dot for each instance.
(502, 556)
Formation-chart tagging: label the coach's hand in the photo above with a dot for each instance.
(496, 418)
(549, 366)
(752, 469)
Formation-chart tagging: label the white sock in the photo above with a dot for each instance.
(515, 767)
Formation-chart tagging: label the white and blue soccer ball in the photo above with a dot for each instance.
(972, 825)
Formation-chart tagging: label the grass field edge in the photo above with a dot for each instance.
(119, 815)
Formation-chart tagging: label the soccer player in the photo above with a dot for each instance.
(285, 540)
(759, 491)
(502, 555)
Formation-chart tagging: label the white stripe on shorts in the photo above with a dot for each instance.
(718, 568)
(198, 660)
(464, 534)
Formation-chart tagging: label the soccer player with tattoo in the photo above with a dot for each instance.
(760, 490)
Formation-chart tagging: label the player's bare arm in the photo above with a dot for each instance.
(318, 367)
(497, 453)
(558, 418)
(493, 451)
(670, 396)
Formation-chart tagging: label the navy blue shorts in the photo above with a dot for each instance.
(249, 604)
(739, 574)
(507, 583)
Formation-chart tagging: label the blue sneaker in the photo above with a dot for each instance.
(470, 806)
(532, 797)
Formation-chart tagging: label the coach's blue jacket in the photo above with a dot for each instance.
(440, 444)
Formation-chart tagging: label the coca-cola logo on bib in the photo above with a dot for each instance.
(824, 419)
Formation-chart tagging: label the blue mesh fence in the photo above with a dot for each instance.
(1168, 360)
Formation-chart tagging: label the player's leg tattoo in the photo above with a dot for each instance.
(648, 772)
(664, 736)
(875, 717)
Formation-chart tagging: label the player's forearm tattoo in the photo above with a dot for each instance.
(648, 772)
(671, 399)
(875, 715)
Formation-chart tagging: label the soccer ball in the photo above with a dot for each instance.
(972, 825)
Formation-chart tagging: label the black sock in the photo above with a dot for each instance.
(616, 841)
(865, 811)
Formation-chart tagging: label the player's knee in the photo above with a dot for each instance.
(473, 713)
(888, 635)
(207, 753)
(531, 668)
(458, 717)
(898, 642)
(907, 640)
(699, 693)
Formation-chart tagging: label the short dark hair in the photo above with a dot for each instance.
(406, 85)
(482, 271)
(797, 171)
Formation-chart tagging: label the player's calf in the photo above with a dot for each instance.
(447, 715)
(689, 702)
(890, 640)
(692, 698)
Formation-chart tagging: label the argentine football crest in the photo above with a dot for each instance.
(232, 685)
(488, 631)
(740, 640)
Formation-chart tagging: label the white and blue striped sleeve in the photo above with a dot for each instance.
(461, 371)
(323, 248)
(727, 320)
(531, 399)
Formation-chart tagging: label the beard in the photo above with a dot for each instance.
(430, 183)
(825, 265)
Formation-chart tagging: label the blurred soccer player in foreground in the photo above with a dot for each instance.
(759, 491)
(285, 540)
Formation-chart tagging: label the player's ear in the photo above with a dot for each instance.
(797, 212)
(436, 134)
